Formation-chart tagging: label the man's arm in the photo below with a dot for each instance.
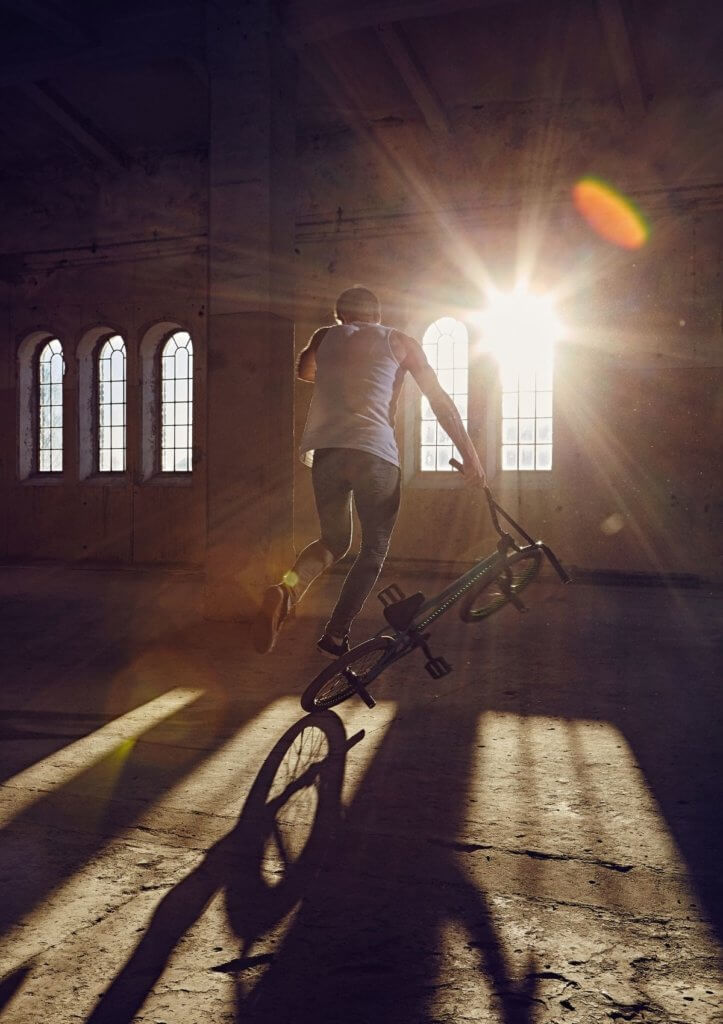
(411, 357)
(306, 364)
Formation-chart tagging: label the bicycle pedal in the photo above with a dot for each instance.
(438, 667)
(391, 595)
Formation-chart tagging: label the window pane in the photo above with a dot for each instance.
(527, 431)
(176, 403)
(445, 354)
(527, 456)
(509, 431)
(49, 422)
(445, 344)
(510, 405)
(428, 458)
(527, 403)
(544, 431)
(509, 456)
(444, 454)
(544, 456)
(544, 403)
(112, 406)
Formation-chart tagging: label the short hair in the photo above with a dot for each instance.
(358, 303)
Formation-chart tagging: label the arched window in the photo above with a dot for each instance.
(177, 404)
(112, 406)
(446, 346)
(51, 368)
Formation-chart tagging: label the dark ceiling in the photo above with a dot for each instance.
(108, 81)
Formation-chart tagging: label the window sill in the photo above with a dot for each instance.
(527, 479)
(44, 480)
(169, 480)
(434, 481)
(109, 479)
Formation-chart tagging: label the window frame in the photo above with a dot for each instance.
(413, 474)
(160, 474)
(107, 475)
(35, 406)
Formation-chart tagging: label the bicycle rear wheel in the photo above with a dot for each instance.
(519, 571)
(333, 684)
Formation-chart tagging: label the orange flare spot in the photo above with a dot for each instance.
(610, 214)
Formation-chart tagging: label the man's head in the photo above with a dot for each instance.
(358, 303)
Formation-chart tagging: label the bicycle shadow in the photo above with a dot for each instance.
(368, 942)
(262, 885)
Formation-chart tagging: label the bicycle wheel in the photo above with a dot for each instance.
(332, 685)
(519, 571)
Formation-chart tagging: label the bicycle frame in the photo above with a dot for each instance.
(410, 636)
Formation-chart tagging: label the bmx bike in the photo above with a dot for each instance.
(494, 581)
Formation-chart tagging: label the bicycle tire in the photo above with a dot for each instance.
(520, 569)
(331, 687)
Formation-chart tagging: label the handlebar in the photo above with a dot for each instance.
(497, 510)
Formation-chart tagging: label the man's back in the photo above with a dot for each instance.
(358, 378)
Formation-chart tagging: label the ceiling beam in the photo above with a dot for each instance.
(48, 18)
(622, 57)
(414, 78)
(91, 139)
(312, 22)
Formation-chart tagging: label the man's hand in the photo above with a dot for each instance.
(472, 470)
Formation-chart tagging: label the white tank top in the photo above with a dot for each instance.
(357, 384)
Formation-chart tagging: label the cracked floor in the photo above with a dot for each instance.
(534, 839)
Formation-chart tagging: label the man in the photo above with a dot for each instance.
(357, 368)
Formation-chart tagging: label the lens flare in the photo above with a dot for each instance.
(520, 329)
(610, 214)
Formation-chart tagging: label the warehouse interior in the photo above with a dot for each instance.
(535, 192)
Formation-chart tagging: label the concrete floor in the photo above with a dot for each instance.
(534, 839)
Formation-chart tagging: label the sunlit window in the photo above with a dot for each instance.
(177, 404)
(520, 330)
(112, 406)
(51, 367)
(446, 346)
(527, 417)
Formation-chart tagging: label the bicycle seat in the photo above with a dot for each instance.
(401, 613)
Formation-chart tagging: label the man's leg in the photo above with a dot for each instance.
(332, 493)
(376, 485)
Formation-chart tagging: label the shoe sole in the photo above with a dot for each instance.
(268, 621)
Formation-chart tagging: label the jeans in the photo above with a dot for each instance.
(337, 474)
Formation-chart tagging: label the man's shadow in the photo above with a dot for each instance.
(264, 878)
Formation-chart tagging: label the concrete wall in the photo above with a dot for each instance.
(126, 253)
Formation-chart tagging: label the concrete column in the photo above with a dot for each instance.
(250, 330)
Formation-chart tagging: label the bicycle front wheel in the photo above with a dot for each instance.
(334, 684)
(518, 572)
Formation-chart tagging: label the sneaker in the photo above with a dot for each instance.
(269, 618)
(332, 646)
